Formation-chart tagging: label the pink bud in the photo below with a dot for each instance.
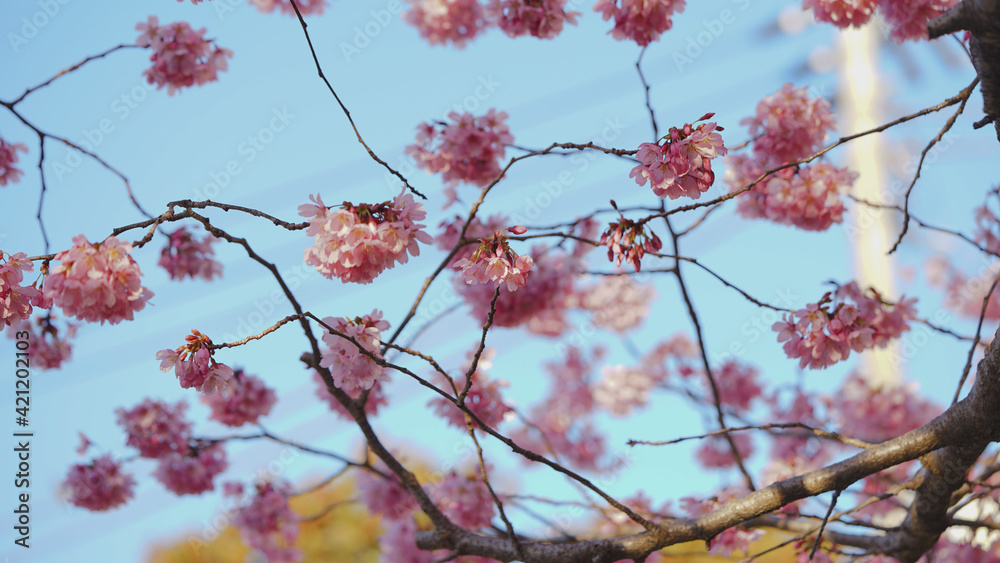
(518, 229)
(708, 115)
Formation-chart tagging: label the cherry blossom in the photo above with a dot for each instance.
(737, 385)
(182, 56)
(791, 445)
(98, 486)
(97, 282)
(268, 524)
(376, 396)
(733, 540)
(842, 13)
(847, 319)
(642, 22)
(156, 428)
(681, 166)
(451, 230)
(351, 369)
(465, 500)
(447, 21)
(306, 7)
(467, 150)
(195, 367)
(385, 496)
(398, 544)
(716, 453)
(8, 158)
(16, 300)
(50, 345)
(876, 413)
(494, 260)
(484, 399)
(540, 18)
(191, 472)
(788, 125)
(186, 256)
(622, 389)
(356, 243)
(628, 241)
(248, 400)
(618, 303)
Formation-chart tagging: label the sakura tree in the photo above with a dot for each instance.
(571, 338)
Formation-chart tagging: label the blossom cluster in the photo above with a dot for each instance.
(682, 165)
(628, 241)
(494, 260)
(376, 396)
(384, 495)
(351, 369)
(16, 300)
(8, 158)
(877, 413)
(248, 400)
(356, 243)
(195, 367)
(847, 319)
(788, 126)
(543, 19)
(618, 303)
(186, 256)
(465, 500)
(193, 472)
(906, 18)
(98, 486)
(622, 389)
(267, 523)
(97, 282)
(642, 22)
(182, 56)
(50, 345)
(447, 21)
(484, 398)
(467, 150)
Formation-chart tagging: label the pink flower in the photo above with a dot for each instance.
(876, 414)
(97, 282)
(622, 389)
(737, 385)
(447, 21)
(195, 367)
(788, 126)
(306, 7)
(100, 485)
(715, 452)
(16, 301)
(842, 13)
(628, 241)
(618, 303)
(8, 158)
(682, 166)
(268, 524)
(383, 496)
(467, 150)
(484, 398)
(909, 18)
(49, 349)
(248, 400)
(186, 256)
(156, 428)
(398, 544)
(191, 472)
(376, 397)
(540, 18)
(351, 369)
(356, 243)
(642, 21)
(465, 500)
(182, 56)
(495, 261)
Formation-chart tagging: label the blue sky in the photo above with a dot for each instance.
(580, 87)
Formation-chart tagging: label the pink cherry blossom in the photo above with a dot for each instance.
(621, 389)
(191, 472)
(788, 125)
(676, 355)
(682, 165)
(842, 13)
(541, 18)
(50, 345)
(733, 540)
(248, 400)
(268, 524)
(16, 300)
(351, 369)
(156, 428)
(494, 260)
(467, 150)
(182, 57)
(628, 241)
(908, 18)
(465, 500)
(790, 444)
(641, 21)
(376, 397)
(451, 229)
(186, 256)
(617, 303)
(807, 197)
(484, 399)
(878, 413)
(8, 158)
(447, 21)
(195, 367)
(737, 385)
(98, 486)
(398, 544)
(385, 496)
(306, 7)
(356, 243)
(846, 320)
(97, 282)
(715, 452)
